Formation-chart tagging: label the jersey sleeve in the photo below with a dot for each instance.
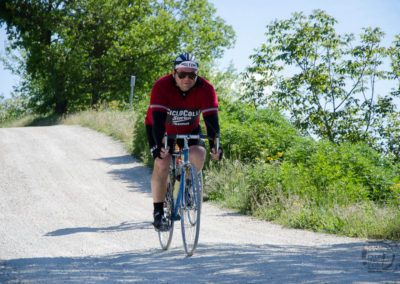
(210, 114)
(158, 100)
(210, 102)
(157, 111)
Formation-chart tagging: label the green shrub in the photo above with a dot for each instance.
(248, 134)
(346, 173)
(13, 108)
(140, 144)
(226, 182)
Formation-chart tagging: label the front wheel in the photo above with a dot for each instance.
(165, 237)
(191, 209)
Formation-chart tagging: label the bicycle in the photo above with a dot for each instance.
(184, 196)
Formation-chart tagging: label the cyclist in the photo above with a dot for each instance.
(176, 102)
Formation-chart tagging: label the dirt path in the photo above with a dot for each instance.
(75, 207)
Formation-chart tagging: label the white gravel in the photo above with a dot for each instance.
(75, 207)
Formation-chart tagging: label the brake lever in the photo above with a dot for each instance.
(165, 141)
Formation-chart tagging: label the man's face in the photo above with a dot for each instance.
(185, 78)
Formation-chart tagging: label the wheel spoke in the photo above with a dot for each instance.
(190, 211)
(165, 237)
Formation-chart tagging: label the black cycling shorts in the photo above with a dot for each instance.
(179, 142)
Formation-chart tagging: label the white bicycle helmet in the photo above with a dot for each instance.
(186, 60)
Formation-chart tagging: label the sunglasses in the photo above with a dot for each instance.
(182, 75)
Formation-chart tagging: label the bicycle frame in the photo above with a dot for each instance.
(185, 152)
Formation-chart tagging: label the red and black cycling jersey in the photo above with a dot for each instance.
(177, 112)
(183, 109)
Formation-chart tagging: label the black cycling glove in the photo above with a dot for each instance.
(156, 152)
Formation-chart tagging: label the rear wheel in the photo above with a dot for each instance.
(165, 237)
(190, 210)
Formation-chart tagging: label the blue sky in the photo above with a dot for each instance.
(249, 18)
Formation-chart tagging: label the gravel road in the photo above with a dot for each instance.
(75, 207)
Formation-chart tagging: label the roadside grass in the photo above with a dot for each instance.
(115, 123)
(271, 191)
(227, 185)
(34, 120)
(28, 120)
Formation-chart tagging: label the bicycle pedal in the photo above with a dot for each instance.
(162, 228)
(165, 228)
(176, 218)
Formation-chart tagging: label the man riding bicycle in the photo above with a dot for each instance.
(176, 102)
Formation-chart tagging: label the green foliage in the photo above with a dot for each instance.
(226, 82)
(328, 174)
(394, 53)
(391, 134)
(80, 53)
(250, 134)
(303, 183)
(140, 147)
(227, 181)
(365, 219)
(13, 108)
(326, 81)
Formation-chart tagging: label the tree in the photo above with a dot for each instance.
(13, 107)
(31, 26)
(324, 80)
(225, 81)
(394, 52)
(92, 47)
(391, 129)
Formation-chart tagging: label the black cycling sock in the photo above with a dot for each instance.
(159, 207)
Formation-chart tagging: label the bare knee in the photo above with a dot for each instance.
(161, 166)
(159, 179)
(197, 156)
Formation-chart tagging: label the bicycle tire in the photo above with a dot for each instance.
(165, 237)
(190, 210)
(193, 217)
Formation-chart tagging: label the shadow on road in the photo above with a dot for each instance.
(137, 176)
(222, 263)
(124, 226)
(119, 160)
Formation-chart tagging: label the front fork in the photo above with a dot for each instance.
(180, 200)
